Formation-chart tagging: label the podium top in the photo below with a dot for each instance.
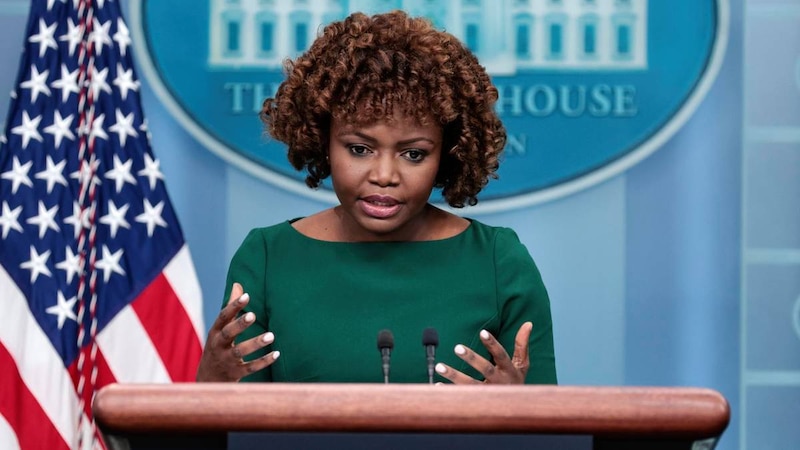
(654, 412)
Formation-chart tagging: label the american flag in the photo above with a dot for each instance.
(96, 282)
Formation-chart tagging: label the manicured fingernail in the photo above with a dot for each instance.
(268, 337)
(249, 317)
(244, 298)
(275, 355)
(484, 335)
(440, 368)
(460, 350)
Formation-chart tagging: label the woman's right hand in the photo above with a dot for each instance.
(223, 359)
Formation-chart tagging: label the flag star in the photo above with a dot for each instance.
(152, 216)
(121, 173)
(98, 82)
(37, 83)
(67, 83)
(29, 129)
(53, 174)
(72, 264)
(60, 128)
(87, 173)
(44, 37)
(123, 127)
(79, 219)
(110, 263)
(46, 219)
(74, 35)
(115, 217)
(99, 35)
(143, 128)
(63, 309)
(18, 174)
(122, 36)
(37, 264)
(9, 220)
(151, 170)
(124, 81)
(97, 129)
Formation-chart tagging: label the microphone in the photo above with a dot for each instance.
(385, 345)
(430, 340)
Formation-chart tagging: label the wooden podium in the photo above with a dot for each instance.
(201, 415)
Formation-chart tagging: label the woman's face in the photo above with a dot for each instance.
(383, 175)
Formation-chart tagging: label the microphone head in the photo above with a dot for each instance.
(430, 337)
(385, 340)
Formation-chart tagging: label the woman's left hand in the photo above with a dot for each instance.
(505, 370)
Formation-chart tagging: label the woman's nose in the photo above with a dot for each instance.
(384, 171)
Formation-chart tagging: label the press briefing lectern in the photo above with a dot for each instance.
(206, 415)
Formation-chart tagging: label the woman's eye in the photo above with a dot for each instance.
(358, 149)
(415, 155)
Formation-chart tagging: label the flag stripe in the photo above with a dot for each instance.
(23, 413)
(130, 352)
(177, 343)
(182, 277)
(38, 364)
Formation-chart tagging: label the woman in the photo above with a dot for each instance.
(390, 109)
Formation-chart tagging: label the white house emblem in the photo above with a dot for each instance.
(587, 87)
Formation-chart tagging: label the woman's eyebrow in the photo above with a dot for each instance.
(372, 139)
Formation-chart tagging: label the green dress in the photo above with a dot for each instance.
(326, 302)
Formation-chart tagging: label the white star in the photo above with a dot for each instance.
(18, 174)
(87, 173)
(124, 81)
(72, 264)
(37, 83)
(67, 83)
(44, 37)
(79, 219)
(99, 35)
(97, 128)
(9, 219)
(74, 36)
(37, 264)
(115, 218)
(152, 216)
(122, 36)
(46, 219)
(53, 174)
(143, 128)
(123, 127)
(110, 263)
(63, 309)
(121, 173)
(60, 128)
(151, 170)
(29, 129)
(98, 82)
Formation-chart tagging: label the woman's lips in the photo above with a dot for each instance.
(379, 206)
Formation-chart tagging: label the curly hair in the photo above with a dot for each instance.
(365, 69)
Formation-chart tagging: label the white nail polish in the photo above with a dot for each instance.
(460, 350)
(244, 298)
(249, 317)
(440, 368)
(268, 337)
(275, 355)
(484, 334)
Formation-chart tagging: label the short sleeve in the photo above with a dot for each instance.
(522, 297)
(248, 268)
